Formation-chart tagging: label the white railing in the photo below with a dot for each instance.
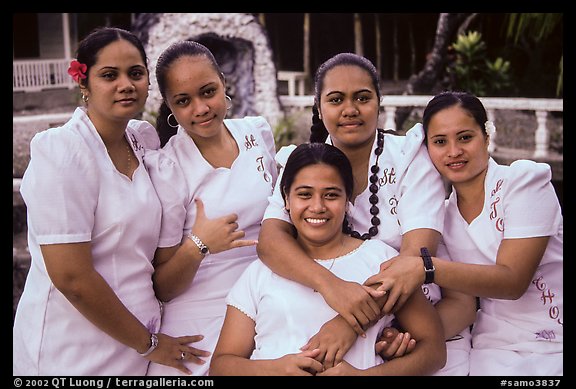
(390, 103)
(294, 79)
(37, 75)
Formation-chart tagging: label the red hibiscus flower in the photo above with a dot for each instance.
(77, 70)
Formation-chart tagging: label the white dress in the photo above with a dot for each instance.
(181, 174)
(74, 193)
(411, 196)
(287, 314)
(523, 336)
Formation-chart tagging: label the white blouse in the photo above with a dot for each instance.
(181, 174)
(287, 314)
(520, 202)
(74, 193)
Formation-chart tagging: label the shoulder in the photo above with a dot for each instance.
(408, 145)
(58, 142)
(145, 133)
(533, 169)
(283, 154)
(250, 122)
(524, 172)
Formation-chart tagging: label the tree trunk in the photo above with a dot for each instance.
(412, 47)
(358, 39)
(378, 44)
(396, 57)
(306, 56)
(425, 82)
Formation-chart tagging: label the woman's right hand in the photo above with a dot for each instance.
(400, 276)
(354, 302)
(170, 350)
(219, 234)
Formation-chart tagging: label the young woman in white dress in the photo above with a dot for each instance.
(269, 317)
(88, 306)
(398, 198)
(213, 178)
(504, 233)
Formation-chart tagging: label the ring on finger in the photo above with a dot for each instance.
(182, 355)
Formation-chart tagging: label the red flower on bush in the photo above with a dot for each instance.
(77, 70)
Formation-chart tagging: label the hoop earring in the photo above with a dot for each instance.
(84, 97)
(229, 104)
(170, 124)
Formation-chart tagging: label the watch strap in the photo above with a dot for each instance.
(428, 265)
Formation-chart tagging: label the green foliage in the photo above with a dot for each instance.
(473, 72)
(284, 132)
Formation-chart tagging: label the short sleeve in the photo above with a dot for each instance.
(147, 134)
(170, 184)
(269, 145)
(422, 194)
(245, 293)
(265, 131)
(60, 187)
(531, 205)
(275, 208)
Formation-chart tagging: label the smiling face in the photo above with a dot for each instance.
(457, 146)
(317, 202)
(349, 106)
(196, 95)
(118, 83)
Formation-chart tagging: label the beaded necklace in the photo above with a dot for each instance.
(374, 210)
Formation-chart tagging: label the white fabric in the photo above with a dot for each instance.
(411, 193)
(180, 175)
(458, 347)
(287, 314)
(520, 202)
(411, 196)
(74, 193)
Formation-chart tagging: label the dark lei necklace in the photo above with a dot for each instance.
(374, 210)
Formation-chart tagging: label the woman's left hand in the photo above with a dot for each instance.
(394, 344)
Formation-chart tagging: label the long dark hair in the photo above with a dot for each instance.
(318, 131)
(169, 55)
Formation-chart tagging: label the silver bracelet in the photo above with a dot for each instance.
(153, 345)
(201, 246)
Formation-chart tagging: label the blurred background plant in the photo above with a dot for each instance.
(470, 70)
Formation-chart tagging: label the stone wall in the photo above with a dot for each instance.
(240, 45)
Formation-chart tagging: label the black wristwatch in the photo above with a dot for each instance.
(428, 265)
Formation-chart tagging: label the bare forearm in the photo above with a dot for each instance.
(174, 275)
(493, 281)
(425, 359)
(413, 240)
(233, 365)
(457, 312)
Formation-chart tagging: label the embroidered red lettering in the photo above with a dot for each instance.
(250, 142)
(260, 167)
(388, 177)
(393, 204)
(497, 188)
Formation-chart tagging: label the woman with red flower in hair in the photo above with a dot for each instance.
(88, 306)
